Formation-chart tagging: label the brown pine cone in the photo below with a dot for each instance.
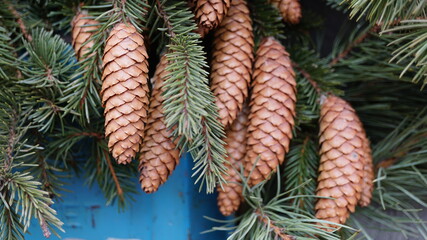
(159, 155)
(232, 61)
(209, 14)
(125, 91)
(230, 196)
(289, 9)
(272, 111)
(368, 175)
(343, 149)
(81, 34)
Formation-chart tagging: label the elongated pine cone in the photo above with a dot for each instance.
(344, 150)
(368, 175)
(272, 111)
(125, 91)
(230, 196)
(159, 155)
(81, 34)
(232, 61)
(209, 14)
(289, 9)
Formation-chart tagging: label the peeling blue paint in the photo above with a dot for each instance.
(174, 212)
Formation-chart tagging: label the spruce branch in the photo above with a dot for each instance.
(19, 20)
(20, 192)
(114, 180)
(7, 58)
(267, 21)
(365, 34)
(274, 218)
(307, 76)
(114, 175)
(411, 38)
(189, 104)
(386, 12)
(270, 224)
(301, 168)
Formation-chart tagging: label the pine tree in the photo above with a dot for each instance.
(75, 84)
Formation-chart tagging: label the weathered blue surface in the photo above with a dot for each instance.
(174, 212)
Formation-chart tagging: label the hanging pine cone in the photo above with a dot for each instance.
(272, 111)
(344, 150)
(159, 155)
(125, 91)
(368, 174)
(230, 196)
(81, 35)
(289, 9)
(209, 14)
(232, 61)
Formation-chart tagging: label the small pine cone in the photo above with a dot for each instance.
(230, 196)
(232, 61)
(81, 34)
(159, 155)
(272, 113)
(125, 91)
(368, 175)
(289, 9)
(343, 146)
(209, 14)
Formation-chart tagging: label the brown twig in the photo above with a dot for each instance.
(88, 134)
(352, 45)
(19, 20)
(307, 76)
(165, 17)
(277, 230)
(114, 175)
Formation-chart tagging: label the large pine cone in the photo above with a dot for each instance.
(210, 13)
(289, 9)
(159, 155)
(230, 196)
(125, 91)
(272, 113)
(232, 61)
(344, 150)
(81, 34)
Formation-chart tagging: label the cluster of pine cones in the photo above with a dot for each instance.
(256, 98)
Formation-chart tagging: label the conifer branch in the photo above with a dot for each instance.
(308, 77)
(189, 104)
(113, 175)
(353, 44)
(270, 224)
(19, 20)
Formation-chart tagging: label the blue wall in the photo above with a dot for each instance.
(174, 212)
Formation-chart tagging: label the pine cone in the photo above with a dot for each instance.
(289, 9)
(159, 155)
(81, 34)
(272, 111)
(343, 150)
(209, 14)
(232, 61)
(368, 175)
(230, 196)
(125, 91)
